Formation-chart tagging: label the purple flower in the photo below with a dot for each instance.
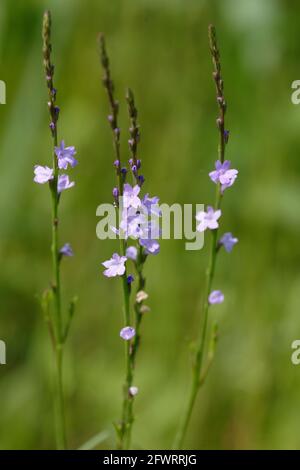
(43, 174)
(216, 297)
(66, 250)
(117, 163)
(228, 241)
(127, 333)
(208, 219)
(115, 266)
(131, 253)
(150, 233)
(130, 196)
(151, 205)
(132, 223)
(152, 247)
(133, 391)
(223, 174)
(65, 156)
(64, 183)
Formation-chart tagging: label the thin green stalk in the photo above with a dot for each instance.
(122, 429)
(197, 377)
(136, 341)
(60, 415)
(126, 424)
(57, 318)
(197, 366)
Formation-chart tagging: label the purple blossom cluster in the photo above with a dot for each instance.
(209, 219)
(65, 157)
(139, 222)
(44, 174)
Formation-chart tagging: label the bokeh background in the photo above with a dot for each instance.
(160, 49)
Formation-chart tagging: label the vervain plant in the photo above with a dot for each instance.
(63, 156)
(223, 177)
(138, 230)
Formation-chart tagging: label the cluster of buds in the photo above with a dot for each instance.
(49, 68)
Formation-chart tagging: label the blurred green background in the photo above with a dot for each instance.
(160, 49)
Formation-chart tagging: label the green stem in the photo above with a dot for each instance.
(197, 379)
(197, 367)
(59, 398)
(125, 424)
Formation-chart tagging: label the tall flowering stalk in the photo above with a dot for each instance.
(138, 238)
(223, 177)
(58, 182)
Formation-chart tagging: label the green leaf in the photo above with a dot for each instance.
(95, 440)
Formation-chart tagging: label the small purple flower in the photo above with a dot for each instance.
(115, 266)
(131, 253)
(127, 333)
(223, 174)
(208, 219)
(124, 171)
(152, 247)
(216, 297)
(43, 174)
(151, 205)
(64, 183)
(130, 196)
(65, 156)
(133, 391)
(132, 223)
(66, 250)
(117, 163)
(228, 241)
(52, 126)
(130, 279)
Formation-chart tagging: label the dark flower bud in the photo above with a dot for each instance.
(141, 179)
(115, 193)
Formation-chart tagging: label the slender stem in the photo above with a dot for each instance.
(123, 441)
(197, 378)
(125, 424)
(60, 415)
(137, 338)
(58, 329)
